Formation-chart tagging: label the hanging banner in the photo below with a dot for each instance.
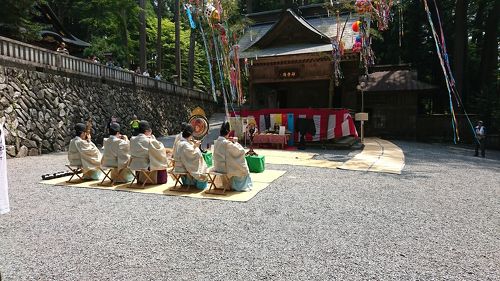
(4, 194)
(189, 14)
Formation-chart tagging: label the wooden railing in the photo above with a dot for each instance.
(22, 53)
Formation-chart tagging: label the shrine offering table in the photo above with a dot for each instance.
(280, 140)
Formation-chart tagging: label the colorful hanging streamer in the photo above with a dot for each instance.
(217, 42)
(337, 56)
(367, 56)
(382, 11)
(188, 8)
(448, 75)
(338, 50)
(236, 61)
(212, 83)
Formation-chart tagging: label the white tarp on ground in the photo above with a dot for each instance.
(4, 193)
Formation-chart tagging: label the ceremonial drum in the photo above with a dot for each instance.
(200, 126)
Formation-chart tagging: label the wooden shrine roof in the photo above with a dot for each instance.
(293, 34)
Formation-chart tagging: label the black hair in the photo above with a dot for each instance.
(183, 125)
(79, 129)
(114, 128)
(144, 126)
(187, 131)
(225, 128)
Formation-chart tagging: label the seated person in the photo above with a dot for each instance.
(229, 159)
(146, 152)
(82, 152)
(178, 136)
(117, 154)
(188, 159)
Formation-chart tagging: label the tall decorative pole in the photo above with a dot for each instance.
(178, 42)
(142, 35)
(159, 45)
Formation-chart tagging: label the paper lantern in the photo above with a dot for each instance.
(358, 38)
(355, 26)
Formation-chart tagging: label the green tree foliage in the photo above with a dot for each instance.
(15, 19)
(112, 27)
(201, 79)
(115, 22)
(481, 87)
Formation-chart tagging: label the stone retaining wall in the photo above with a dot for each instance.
(40, 109)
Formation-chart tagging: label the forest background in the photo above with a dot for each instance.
(471, 30)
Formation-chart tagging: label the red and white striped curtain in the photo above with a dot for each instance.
(329, 123)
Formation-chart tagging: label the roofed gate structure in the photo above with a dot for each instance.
(291, 61)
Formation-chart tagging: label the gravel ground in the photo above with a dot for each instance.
(438, 220)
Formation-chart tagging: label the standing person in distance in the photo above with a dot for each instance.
(4, 188)
(481, 139)
(134, 125)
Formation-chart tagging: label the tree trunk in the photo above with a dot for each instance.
(142, 35)
(489, 57)
(191, 64)
(460, 45)
(123, 19)
(159, 45)
(477, 34)
(249, 6)
(178, 42)
(287, 3)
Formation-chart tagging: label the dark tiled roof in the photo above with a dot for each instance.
(395, 80)
(59, 30)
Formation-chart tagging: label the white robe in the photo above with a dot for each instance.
(4, 188)
(229, 158)
(116, 152)
(146, 152)
(116, 155)
(188, 159)
(178, 137)
(84, 153)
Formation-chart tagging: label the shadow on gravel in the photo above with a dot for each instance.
(440, 155)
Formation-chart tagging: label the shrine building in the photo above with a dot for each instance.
(290, 59)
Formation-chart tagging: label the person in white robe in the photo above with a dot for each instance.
(178, 138)
(4, 188)
(82, 152)
(188, 159)
(229, 159)
(146, 152)
(116, 154)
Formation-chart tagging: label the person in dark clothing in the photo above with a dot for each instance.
(304, 126)
(112, 120)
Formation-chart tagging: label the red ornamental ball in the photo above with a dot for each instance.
(355, 26)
